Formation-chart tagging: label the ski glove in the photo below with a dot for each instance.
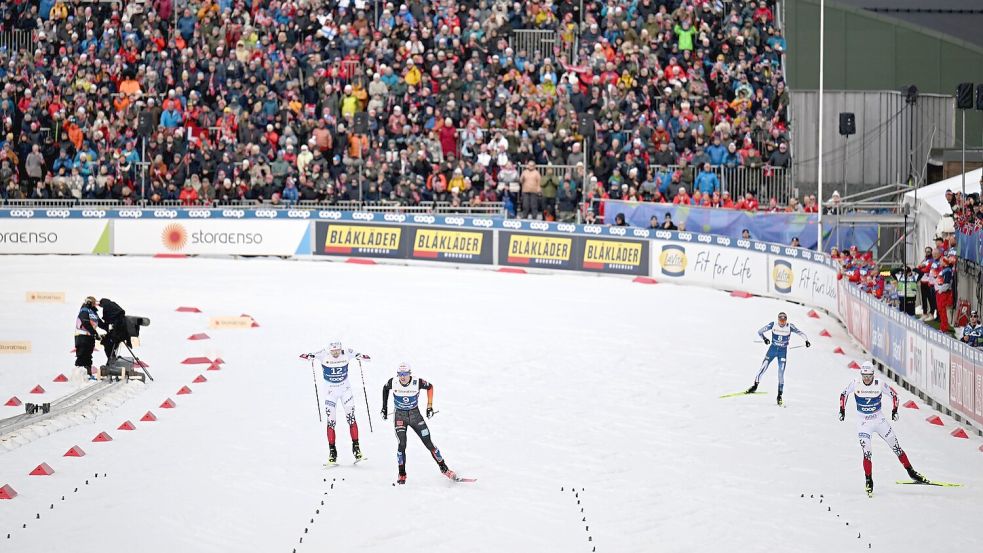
(361, 356)
(385, 414)
(429, 412)
(894, 414)
(842, 414)
(767, 341)
(808, 343)
(307, 356)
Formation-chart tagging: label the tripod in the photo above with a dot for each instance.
(136, 359)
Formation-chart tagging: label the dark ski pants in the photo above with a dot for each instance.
(84, 345)
(413, 419)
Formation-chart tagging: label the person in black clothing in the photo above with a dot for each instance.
(85, 334)
(406, 397)
(114, 323)
(667, 223)
(619, 220)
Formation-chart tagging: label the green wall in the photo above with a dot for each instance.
(867, 51)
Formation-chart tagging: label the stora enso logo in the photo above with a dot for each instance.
(782, 276)
(174, 237)
(673, 260)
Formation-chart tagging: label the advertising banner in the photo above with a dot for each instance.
(53, 236)
(897, 336)
(604, 255)
(453, 245)
(957, 363)
(539, 250)
(915, 361)
(712, 265)
(360, 240)
(803, 280)
(937, 365)
(879, 346)
(210, 237)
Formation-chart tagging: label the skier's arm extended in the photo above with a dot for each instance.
(424, 385)
(887, 389)
(766, 328)
(843, 397)
(795, 329)
(385, 398)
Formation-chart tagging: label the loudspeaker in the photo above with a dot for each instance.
(979, 97)
(361, 123)
(586, 127)
(848, 124)
(146, 123)
(964, 96)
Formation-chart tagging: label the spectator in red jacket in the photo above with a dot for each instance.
(188, 196)
(682, 197)
(748, 203)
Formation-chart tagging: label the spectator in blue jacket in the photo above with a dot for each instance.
(186, 25)
(716, 152)
(707, 182)
(290, 193)
(171, 118)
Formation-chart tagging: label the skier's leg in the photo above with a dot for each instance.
(421, 429)
(864, 434)
(781, 373)
(889, 437)
(400, 422)
(330, 412)
(349, 402)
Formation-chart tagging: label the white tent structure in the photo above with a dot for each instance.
(932, 206)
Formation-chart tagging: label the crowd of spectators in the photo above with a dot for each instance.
(225, 100)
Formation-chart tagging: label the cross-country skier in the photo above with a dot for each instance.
(406, 396)
(777, 349)
(338, 390)
(868, 391)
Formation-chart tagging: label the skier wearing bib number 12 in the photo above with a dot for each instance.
(869, 392)
(338, 390)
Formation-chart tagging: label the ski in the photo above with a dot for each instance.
(736, 394)
(335, 464)
(453, 476)
(930, 483)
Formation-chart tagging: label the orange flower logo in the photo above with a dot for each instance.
(174, 237)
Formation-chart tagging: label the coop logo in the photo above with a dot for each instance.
(130, 213)
(484, 223)
(57, 213)
(424, 219)
(96, 213)
(672, 260)
(782, 276)
(233, 213)
(617, 231)
(329, 215)
(265, 213)
(298, 214)
(159, 213)
(22, 213)
(394, 217)
(199, 214)
(512, 224)
(362, 216)
(456, 221)
(174, 237)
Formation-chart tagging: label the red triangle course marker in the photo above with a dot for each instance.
(102, 437)
(168, 404)
(199, 336)
(13, 402)
(644, 280)
(188, 310)
(853, 365)
(911, 404)
(196, 361)
(214, 367)
(76, 451)
(44, 469)
(812, 314)
(184, 390)
(839, 350)
(219, 360)
(199, 379)
(934, 419)
(959, 433)
(740, 294)
(60, 378)
(148, 417)
(825, 333)
(6, 492)
(37, 389)
(127, 426)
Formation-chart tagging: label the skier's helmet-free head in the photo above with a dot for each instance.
(404, 372)
(335, 348)
(867, 371)
(782, 317)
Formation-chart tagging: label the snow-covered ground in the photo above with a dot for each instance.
(541, 386)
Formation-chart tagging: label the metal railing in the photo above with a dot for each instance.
(487, 208)
(16, 39)
(541, 44)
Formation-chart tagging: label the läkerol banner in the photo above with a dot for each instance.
(711, 261)
(211, 237)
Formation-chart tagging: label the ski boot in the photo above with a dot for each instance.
(914, 475)
(869, 486)
(332, 455)
(401, 478)
(779, 399)
(447, 471)
(356, 451)
(752, 389)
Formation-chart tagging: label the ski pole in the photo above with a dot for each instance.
(316, 396)
(365, 395)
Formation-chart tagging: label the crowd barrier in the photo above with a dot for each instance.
(940, 369)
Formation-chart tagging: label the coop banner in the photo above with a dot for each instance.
(452, 245)
(605, 255)
(210, 237)
(360, 240)
(544, 251)
(712, 265)
(53, 236)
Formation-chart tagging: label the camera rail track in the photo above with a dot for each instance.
(60, 406)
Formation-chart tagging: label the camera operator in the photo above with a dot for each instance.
(85, 335)
(114, 323)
